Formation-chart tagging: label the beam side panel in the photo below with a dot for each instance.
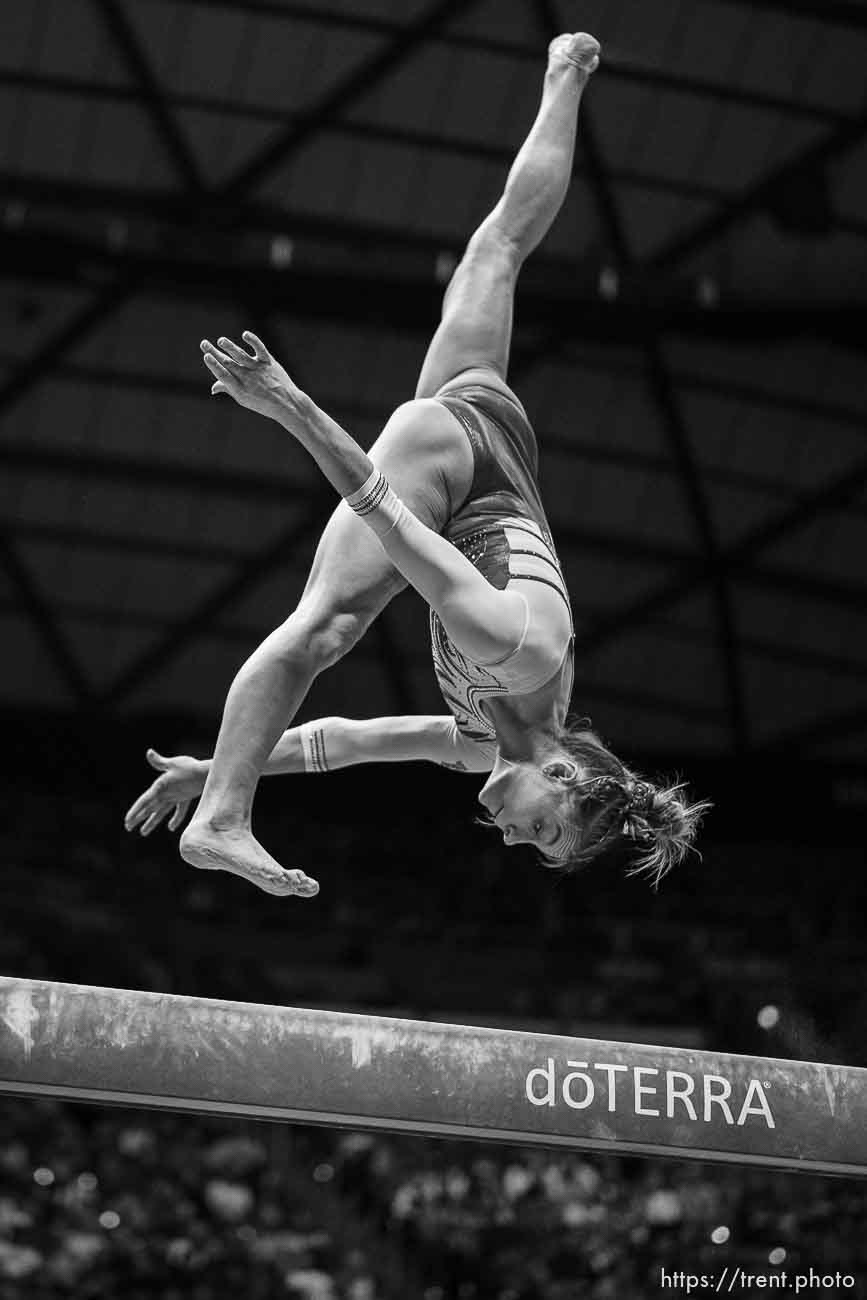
(345, 1069)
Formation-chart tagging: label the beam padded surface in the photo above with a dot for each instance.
(343, 1069)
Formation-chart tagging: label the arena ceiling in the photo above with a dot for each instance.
(690, 340)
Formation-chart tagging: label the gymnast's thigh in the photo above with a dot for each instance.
(426, 457)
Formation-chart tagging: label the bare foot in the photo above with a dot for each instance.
(237, 850)
(577, 48)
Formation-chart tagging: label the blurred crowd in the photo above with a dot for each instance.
(111, 1203)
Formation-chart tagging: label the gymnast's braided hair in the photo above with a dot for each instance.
(618, 808)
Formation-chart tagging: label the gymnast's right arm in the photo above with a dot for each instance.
(319, 746)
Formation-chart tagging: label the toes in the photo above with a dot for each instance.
(301, 883)
(580, 49)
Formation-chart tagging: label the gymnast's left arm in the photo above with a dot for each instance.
(317, 746)
(328, 743)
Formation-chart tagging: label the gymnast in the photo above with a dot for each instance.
(448, 502)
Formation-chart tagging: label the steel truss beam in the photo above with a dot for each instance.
(62, 196)
(686, 243)
(831, 413)
(833, 494)
(617, 70)
(664, 397)
(359, 82)
(680, 442)
(717, 564)
(138, 66)
(42, 617)
(105, 303)
(376, 294)
(248, 635)
(405, 38)
(360, 128)
(38, 609)
(609, 627)
(37, 460)
(840, 12)
(244, 578)
(90, 316)
(569, 445)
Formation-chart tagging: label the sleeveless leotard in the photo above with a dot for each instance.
(502, 529)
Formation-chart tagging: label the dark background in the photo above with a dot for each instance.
(689, 345)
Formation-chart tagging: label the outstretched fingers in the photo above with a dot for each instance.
(153, 821)
(218, 364)
(178, 815)
(210, 349)
(229, 363)
(146, 814)
(225, 380)
(236, 354)
(260, 352)
(229, 353)
(152, 807)
(138, 811)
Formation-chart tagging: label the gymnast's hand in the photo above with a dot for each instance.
(182, 779)
(255, 380)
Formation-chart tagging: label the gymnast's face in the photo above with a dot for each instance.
(530, 807)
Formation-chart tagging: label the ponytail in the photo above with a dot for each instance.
(616, 807)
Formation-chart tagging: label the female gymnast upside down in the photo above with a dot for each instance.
(448, 502)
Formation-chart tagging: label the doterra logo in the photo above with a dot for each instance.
(652, 1092)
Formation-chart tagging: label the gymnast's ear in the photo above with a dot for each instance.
(562, 769)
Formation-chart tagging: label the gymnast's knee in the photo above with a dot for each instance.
(322, 636)
(496, 245)
(493, 253)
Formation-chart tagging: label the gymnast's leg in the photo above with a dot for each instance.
(352, 579)
(476, 328)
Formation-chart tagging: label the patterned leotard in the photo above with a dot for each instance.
(503, 531)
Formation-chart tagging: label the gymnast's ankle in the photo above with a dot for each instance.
(219, 821)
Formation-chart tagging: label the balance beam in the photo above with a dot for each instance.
(369, 1072)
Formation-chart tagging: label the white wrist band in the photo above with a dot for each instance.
(376, 504)
(313, 747)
